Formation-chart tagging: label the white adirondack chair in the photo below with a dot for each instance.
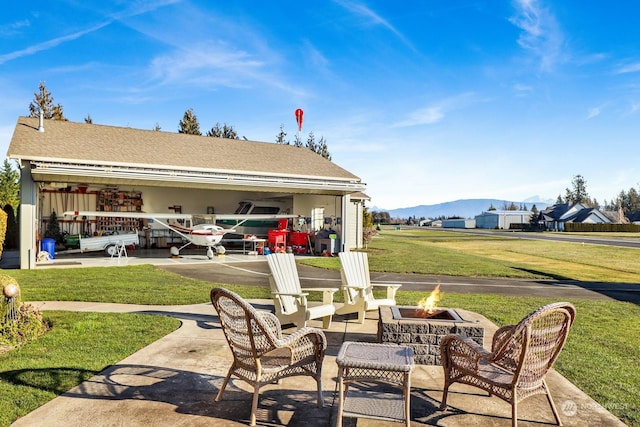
(357, 287)
(290, 300)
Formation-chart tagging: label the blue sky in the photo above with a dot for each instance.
(426, 101)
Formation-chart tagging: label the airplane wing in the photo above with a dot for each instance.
(250, 216)
(152, 215)
(115, 214)
(241, 219)
(161, 218)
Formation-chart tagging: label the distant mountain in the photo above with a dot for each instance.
(466, 208)
(538, 199)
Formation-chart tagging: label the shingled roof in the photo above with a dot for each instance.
(64, 143)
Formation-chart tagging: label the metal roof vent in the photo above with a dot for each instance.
(41, 122)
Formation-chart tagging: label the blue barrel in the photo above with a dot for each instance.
(49, 245)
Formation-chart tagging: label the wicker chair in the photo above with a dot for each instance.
(357, 287)
(261, 355)
(519, 359)
(290, 300)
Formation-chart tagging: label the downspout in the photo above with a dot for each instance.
(346, 199)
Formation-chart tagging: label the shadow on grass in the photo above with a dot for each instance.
(543, 273)
(55, 380)
(626, 292)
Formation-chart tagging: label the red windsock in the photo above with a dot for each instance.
(299, 113)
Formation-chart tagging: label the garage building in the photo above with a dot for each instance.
(68, 166)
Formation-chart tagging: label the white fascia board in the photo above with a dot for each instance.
(192, 176)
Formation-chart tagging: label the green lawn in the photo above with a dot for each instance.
(600, 356)
(463, 254)
(79, 346)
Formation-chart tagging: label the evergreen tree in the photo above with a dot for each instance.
(534, 219)
(578, 192)
(281, 135)
(559, 200)
(11, 237)
(43, 102)
(189, 123)
(9, 185)
(53, 228)
(322, 149)
(629, 201)
(634, 201)
(226, 131)
(311, 142)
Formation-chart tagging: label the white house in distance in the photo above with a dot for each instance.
(556, 216)
(68, 166)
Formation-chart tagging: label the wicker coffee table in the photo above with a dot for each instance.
(374, 363)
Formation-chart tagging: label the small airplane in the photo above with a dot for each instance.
(206, 233)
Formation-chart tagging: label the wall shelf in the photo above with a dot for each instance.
(110, 200)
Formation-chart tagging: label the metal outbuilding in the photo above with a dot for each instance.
(502, 219)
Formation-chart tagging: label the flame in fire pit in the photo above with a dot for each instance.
(429, 303)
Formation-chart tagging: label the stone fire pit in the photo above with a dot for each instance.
(413, 327)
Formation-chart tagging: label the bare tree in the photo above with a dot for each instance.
(43, 102)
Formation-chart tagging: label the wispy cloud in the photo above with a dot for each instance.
(541, 35)
(314, 57)
(594, 112)
(142, 7)
(48, 44)
(597, 110)
(231, 55)
(14, 28)
(136, 9)
(360, 9)
(435, 113)
(218, 64)
(522, 90)
(592, 58)
(628, 68)
(191, 64)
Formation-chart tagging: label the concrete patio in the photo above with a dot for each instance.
(173, 382)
